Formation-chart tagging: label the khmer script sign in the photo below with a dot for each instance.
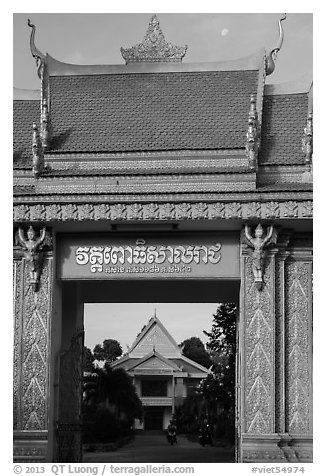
(170, 256)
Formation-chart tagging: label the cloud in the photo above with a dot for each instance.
(75, 58)
(224, 32)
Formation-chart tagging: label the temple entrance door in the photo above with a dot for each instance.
(154, 418)
(74, 295)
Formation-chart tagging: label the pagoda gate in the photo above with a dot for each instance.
(166, 181)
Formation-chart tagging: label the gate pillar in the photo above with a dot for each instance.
(33, 285)
(275, 353)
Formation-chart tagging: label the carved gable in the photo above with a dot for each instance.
(153, 363)
(155, 337)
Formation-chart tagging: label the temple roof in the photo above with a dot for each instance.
(155, 348)
(151, 111)
(154, 336)
(25, 112)
(284, 119)
(155, 104)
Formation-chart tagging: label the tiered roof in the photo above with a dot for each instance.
(157, 105)
(155, 349)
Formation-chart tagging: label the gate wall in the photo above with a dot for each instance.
(32, 354)
(276, 343)
(275, 403)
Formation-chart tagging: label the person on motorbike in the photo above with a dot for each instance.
(205, 435)
(172, 432)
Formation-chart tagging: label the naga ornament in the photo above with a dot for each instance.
(37, 150)
(253, 135)
(271, 58)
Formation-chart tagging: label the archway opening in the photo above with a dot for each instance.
(189, 304)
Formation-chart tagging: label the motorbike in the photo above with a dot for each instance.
(205, 437)
(171, 437)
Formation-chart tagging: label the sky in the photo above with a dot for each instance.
(123, 321)
(96, 38)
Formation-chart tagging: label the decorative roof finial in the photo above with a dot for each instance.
(271, 58)
(154, 47)
(36, 53)
(45, 130)
(37, 149)
(253, 134)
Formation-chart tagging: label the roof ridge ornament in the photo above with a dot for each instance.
(253, 134)
(154, 48)
(45, 126)
(307, 149)
(271, 58)
(37, 149)
(36, 53)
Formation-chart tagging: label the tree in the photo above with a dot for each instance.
(115, 386)
(194, 349)
(222, 335)
(109, 351)
(110, 405)
(88, 360)
(220, 385)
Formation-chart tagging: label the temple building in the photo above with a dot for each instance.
(159, 180)
(161, 374)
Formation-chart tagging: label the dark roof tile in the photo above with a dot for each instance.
(151, 111)
(284, 120)
(25, 112)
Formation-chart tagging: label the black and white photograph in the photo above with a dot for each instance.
(162, 240)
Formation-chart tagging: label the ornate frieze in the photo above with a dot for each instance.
(161, 211)
(258, 322)
(142, 163)
(31, 349)
(18, 295)
(154, 47)
(147, 184)
(298, 327)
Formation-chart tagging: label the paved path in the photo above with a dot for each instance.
(154, 448)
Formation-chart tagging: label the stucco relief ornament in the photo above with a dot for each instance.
(258, 245)
(33, 251)
(37, 150)
(45, 126)
(154, 47)
(307, 148)
(253, 135)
